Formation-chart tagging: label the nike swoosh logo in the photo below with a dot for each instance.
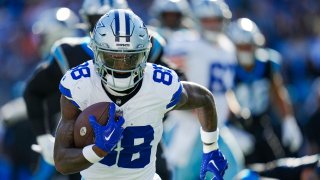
(108, 138)
(214, 164)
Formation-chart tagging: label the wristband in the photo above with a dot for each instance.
(90, 155)
(210, 140)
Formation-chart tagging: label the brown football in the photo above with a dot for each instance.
(83, 133)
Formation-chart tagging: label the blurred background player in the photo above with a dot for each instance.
(170, 16)
(206, 57)
(260, 97)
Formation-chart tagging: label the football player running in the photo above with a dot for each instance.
(144, 92)
(42, 94)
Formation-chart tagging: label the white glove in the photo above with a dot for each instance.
(46, 143)
(291, 134)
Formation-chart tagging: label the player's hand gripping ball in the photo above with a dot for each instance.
(97, 124)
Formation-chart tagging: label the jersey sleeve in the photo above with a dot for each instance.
(168, 84)
(75, 89)
(175, 97)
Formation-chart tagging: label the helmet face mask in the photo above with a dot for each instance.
(121, 45)
(121, 62)
(212, 24)
(171, 19)
(245, 54)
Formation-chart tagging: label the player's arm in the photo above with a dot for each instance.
(291, 134)
(281, 96)
(200, 98)
(69, 159)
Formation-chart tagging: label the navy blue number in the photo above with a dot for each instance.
(220, 77)
(80, 71)
(135, 153)
(135, 148)
(162, 75)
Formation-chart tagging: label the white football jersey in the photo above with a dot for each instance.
(135, 155)
(206, 63)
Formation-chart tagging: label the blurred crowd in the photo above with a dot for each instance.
(292, 28)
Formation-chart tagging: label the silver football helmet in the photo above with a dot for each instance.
(245, 31)
(177, 6)
(211, 8)
(246, 35)
(212, 16)
(121, 45)
(92, 10)
(171, 14)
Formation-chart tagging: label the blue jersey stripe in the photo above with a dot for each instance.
(65, 91)
(117, 25)
(87, 49)
(60, 57)
(175, 98)
(74, 103)
(127, 18)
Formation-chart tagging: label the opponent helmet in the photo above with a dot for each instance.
(54, 24)
(247, 37)
(245, 31)
(211, 8)
(169, 13)
(212, 16)
(177, 6)
(121, 45)
(92, 10)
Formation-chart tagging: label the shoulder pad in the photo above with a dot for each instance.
(69, 41)
(158, 43)
(64, 45)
